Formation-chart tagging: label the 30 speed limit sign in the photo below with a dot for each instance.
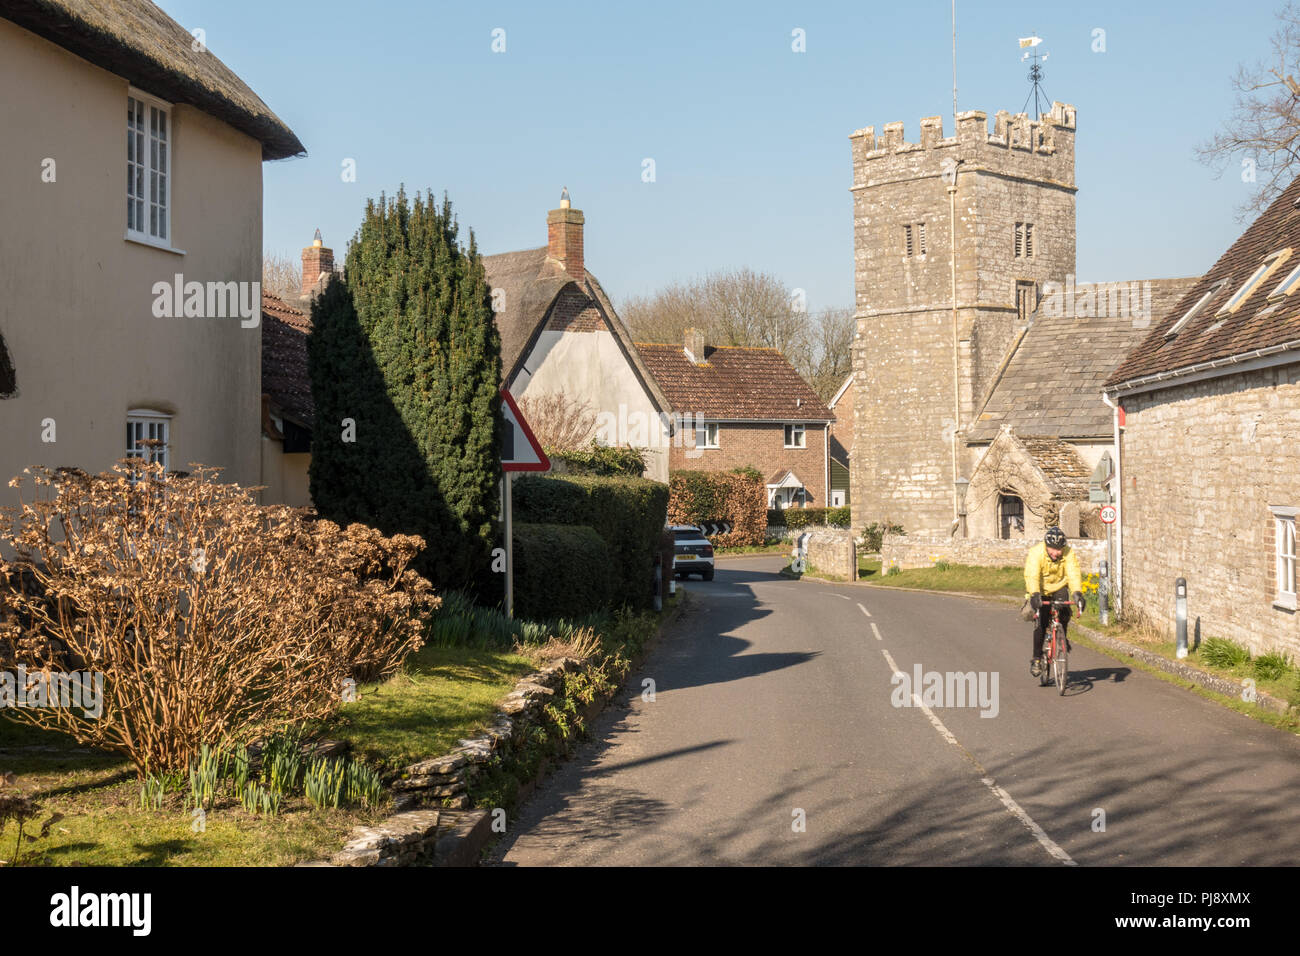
(1109, 514)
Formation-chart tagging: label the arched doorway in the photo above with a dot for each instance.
(1011, 517)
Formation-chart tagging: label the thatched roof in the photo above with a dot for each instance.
(531, 283)
(136, 40)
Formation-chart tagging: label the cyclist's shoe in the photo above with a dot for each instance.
(1068, 646)
(1036, 667)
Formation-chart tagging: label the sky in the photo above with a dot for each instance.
(748, 138)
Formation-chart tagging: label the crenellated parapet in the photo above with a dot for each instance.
(1042, 149)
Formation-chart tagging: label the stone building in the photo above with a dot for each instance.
(1042, 430)
(954, 239)
(1209, 463)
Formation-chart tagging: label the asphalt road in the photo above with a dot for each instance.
(775, 705)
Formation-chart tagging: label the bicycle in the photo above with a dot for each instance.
(1056, 651)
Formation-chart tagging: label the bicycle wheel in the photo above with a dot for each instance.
(1045, 672)
(1060, 664)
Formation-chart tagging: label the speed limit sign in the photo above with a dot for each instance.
(1109, 514)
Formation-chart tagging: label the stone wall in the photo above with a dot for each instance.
(908, 551)
(1201, 465)
(834, 553)
(420, 835)
(907, 403)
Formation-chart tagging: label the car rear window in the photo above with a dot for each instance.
(688, 535)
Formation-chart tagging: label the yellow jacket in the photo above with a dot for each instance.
(1045, 576)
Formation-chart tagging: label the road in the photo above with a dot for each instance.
(773, 737)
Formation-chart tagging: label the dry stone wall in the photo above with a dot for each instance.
(907, 551)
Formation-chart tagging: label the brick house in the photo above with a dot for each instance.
(745, 407)
(1208, 413)
(841, 441)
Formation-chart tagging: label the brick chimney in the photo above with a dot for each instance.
(695, 346)
(564, 237)
(316, 259)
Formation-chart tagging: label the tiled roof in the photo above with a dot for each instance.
(1052, 385)
(1062, 465)
(284, 360)
(735, 384)
(1257, 324)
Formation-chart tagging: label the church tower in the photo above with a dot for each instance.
(953, 239)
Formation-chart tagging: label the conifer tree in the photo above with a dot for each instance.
(405, 349)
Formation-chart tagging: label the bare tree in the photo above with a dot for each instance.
(1263, 129)
(281, 276)
(738, 307)
(830, 357)
(559, 422)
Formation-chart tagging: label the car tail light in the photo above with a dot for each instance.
(708, 551)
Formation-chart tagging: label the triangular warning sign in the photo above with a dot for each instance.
(519, 448)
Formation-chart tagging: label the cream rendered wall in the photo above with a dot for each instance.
(285, 477)
(76, 298)
(592, 366)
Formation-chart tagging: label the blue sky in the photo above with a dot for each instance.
(749, 139)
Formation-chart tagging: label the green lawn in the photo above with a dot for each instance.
(444, 694)
(957, 577)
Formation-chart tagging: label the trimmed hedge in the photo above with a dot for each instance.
(738, 497)
(810, 517)
(561, 570)
(628, 514)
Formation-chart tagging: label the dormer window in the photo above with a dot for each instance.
(1256, 279)
(1197, 309)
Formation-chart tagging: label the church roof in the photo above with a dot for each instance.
(1051, 385)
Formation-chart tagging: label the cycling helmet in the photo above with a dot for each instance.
(1055, 537)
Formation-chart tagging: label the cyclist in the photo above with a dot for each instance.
(1051, 574)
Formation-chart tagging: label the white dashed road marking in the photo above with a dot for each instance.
(864, 610)
(876, 631)
(1012, 807)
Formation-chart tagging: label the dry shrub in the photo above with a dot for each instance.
(737, 497)
(558, 421)
(210, 618)
(580, 645)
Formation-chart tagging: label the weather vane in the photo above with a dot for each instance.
(1030, 45)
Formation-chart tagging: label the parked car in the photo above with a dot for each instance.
(692, 552)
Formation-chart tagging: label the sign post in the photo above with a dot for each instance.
(520, 451)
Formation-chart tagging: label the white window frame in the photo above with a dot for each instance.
(706, 435)
(1197, 309)
(791, 431)
(1284, 557)
(145, 171)
(1254, 282)
(1287, 285)
(149, 421)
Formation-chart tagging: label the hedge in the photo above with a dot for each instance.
(561, 570)
(699, 496)
(810, 517)
(627, 513)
